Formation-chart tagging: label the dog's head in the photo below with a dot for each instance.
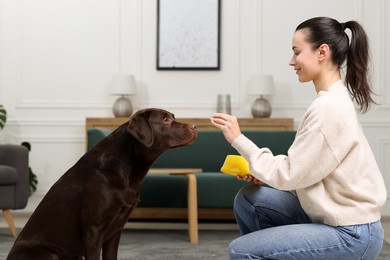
(159, 129)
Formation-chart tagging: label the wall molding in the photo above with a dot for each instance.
(1, 45)
(26, 103)
(48, 121)
(385, 41)
(60, 104)
(238, 17)
(384, 153)
(377, 123)
(58, 139)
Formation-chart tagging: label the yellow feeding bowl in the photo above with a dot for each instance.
(235, 165)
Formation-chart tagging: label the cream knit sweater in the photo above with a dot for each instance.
(329, 166)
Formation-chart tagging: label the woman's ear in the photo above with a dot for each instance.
(323, 52)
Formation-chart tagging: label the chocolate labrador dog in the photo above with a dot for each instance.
(84, 212)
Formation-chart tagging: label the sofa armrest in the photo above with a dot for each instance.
(16, 156)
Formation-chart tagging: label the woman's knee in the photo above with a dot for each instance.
(242, 248)
(255, 194)
(244, 200)
(235, 250)
(240, 195)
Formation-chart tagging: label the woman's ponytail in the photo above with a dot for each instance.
(356, 77)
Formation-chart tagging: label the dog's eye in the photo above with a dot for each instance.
(166, 120)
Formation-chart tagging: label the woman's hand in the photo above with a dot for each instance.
(227, 124)
(250, 178)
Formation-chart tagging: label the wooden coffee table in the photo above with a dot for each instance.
(192, 197)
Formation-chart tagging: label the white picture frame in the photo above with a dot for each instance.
(188, 35)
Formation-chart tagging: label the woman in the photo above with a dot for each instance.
(327, 192)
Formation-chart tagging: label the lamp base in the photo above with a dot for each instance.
(122, 107)
(261, 108)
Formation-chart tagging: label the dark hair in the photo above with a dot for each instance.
(324, 30)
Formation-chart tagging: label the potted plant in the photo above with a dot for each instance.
(3, 116)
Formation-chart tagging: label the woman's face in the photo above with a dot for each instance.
(305, 59)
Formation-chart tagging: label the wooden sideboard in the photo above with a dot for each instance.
(202, 124)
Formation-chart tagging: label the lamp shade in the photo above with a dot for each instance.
(261, 85)
(123, 85)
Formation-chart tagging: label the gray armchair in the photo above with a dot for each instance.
(14, 181)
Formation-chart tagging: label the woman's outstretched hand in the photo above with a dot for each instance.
(228, 124)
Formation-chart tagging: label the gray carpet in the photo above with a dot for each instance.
(158, 244)
(168, 245)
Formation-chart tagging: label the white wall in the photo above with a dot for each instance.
(57, 58)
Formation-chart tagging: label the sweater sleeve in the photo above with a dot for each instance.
(320, 145)
(309, 160)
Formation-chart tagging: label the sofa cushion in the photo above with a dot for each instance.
(214, 190)
(163, 190)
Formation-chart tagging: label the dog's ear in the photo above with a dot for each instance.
(139, 127)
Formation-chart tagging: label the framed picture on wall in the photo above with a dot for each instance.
(188, 34)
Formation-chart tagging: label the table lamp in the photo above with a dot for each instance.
(261, 85)
(123, 85)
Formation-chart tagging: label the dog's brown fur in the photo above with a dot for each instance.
(84, 212)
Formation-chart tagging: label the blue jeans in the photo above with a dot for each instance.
(273, 225)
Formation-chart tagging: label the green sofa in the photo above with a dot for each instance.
(167, 194)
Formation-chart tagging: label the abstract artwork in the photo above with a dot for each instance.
(188, 35)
